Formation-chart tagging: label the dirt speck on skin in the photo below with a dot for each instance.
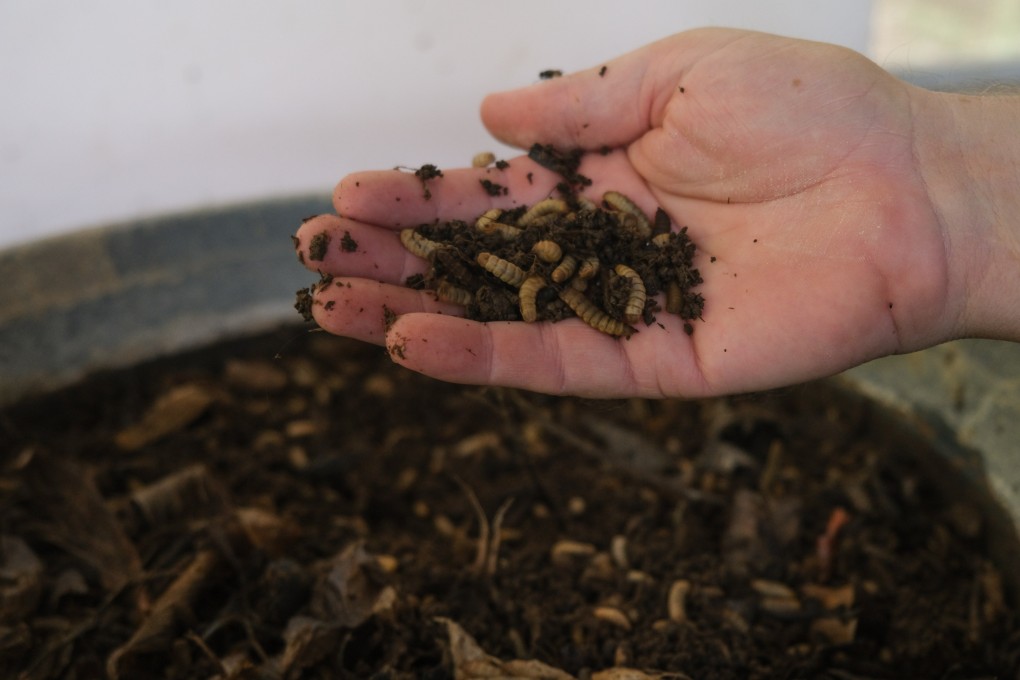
(564, 162)
(426, 173)
(389, 316)
(303, 304)
(348, 244)
(397, 348)
(318, 247)
(493, 188)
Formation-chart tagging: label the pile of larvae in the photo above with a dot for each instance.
(560, 258)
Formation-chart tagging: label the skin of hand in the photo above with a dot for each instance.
(830, 203)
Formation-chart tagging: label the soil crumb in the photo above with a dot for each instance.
(318, 247)
(347, 243)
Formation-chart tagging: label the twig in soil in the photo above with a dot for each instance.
(56, 648)
(492, 560)
(160, 627)
(489, 534)
(496, 399)
(195, 639)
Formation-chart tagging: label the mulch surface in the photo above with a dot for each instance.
(295, 506)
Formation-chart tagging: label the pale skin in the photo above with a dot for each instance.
(840, 215)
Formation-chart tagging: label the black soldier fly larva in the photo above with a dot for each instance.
(565, 269)
(588, 268)
(528, 294)
(635, 219)
(489, 223)
(550, 207)
(591, 314)
(635, 307)
(548, 251)
(418, 244)
(491, 215)
(483, 159)
(504, 270)
(447, 292)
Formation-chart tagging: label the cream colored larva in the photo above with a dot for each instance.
(589, 267)
(419, 245)
(591, 314)
(504, 270)
(547, 251)
(635, 307)
(447, 292)
(483, 159)
(528, 297)
(542, 209)
(489, 223)
(635, 218)
(565, 269)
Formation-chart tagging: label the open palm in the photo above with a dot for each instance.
(790, 162)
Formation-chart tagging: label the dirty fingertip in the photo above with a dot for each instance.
(312, 239)
(398, 341)
(438, 345)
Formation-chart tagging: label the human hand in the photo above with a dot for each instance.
(791, 163)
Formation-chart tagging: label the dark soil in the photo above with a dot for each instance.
(493, 188)
(295, 506)
(425, 173)
(318, 247)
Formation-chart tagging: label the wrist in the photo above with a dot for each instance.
(968, 155)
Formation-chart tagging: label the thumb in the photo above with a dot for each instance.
(601, 106)
(609, 105)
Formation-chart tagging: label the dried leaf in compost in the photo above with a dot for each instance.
(307, 641)
(633, 674)
(471, 662)
(350, 590)
(186, 493)
(167, 618)
(74, 517)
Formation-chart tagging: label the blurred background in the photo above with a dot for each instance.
(115, 110)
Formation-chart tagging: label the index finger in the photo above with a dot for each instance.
(398, 198)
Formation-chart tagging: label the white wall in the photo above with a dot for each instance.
(112, 110)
